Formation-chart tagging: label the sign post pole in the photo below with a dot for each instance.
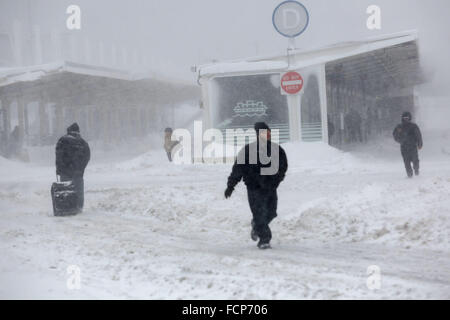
(292, 85)
(290, 19)
(295, 117)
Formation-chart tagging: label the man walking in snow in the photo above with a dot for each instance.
(410, 138)
(72, 157)
(262, 165)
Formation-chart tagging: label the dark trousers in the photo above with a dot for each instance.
(263, 204)
(78, 182)
(410, 155)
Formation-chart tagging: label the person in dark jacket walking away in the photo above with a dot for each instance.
(72, 157)
(410, 138)
(262, 165)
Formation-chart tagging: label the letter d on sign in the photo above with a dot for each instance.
(74, 280)
(291, 23)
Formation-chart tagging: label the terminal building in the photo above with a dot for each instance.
(38, 103)
(52, 78)
(352, 92)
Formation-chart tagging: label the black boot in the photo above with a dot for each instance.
(410, 173)
(264, 245)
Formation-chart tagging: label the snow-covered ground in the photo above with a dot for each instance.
(155, 230)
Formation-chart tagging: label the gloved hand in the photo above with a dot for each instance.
(228, 192)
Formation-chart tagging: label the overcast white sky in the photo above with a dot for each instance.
(177, 34)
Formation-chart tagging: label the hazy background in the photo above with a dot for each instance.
(173, 35)
(168, 37)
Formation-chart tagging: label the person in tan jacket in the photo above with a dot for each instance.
(169, 145)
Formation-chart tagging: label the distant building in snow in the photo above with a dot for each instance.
(352, 91)
(50, 78)
(110, 105)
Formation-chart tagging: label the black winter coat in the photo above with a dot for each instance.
(72, 155)
(250, 170)
(408, 135)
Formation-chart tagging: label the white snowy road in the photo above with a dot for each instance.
(155, 230)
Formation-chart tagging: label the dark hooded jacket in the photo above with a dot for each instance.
(72, 153)
(250, 169)
(408, 135)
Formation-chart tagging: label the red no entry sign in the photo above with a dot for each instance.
(291, 83)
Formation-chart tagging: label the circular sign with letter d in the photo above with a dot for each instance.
(290, 18)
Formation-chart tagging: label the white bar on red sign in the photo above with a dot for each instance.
(291, 83)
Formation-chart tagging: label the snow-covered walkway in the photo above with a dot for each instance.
(155, 230)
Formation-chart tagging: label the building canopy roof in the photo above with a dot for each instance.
(77, 83)
(305, 58)
(30, 73)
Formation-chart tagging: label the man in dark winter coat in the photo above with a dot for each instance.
(410, 138)
(72, 157)
(262, 165)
